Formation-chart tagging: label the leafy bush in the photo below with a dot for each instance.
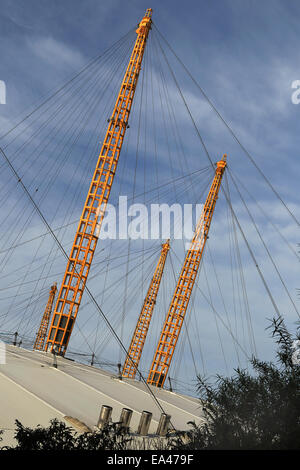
(246, 411)
(59, 437)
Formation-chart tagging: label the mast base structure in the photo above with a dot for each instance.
(183, 290)
(87, 234)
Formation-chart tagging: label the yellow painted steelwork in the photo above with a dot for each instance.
(88, 230)
(141, 330)
(43, 329)
(183, 290)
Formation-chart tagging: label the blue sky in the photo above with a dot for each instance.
(245, 50)
(245, 55)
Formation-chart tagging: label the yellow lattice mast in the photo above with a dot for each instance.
(141, 330)
(42, 333)
(183, 290)
(88, 230)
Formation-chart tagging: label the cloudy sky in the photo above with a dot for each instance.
(245, 56)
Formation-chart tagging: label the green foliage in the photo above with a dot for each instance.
(59, 437)
(246, 411)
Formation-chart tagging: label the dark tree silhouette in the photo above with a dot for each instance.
(254, 411)
(59, 437)
(246, 411)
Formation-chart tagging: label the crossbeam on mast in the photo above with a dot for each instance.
(183, 290)
(140, 333)
(43, 329)
(87, 234)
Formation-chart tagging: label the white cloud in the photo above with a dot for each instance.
(56, 53)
